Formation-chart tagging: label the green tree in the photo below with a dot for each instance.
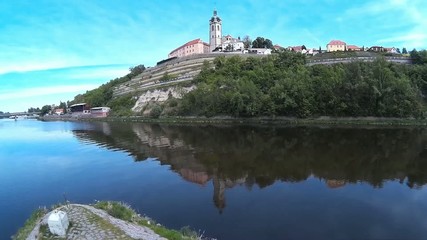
(415, 57)
(283, 85)
(45, 110)
(63, 105)
(404, 51)
(31, 110)
(268, 43)
(261, 42)
(136, 70)
(247, 41)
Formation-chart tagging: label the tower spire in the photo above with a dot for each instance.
(215, 31)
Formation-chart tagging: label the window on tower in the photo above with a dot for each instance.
(218, 27)
(213, 27)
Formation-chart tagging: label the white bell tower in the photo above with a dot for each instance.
(215, 31)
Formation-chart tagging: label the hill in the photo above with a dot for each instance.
(276, 85)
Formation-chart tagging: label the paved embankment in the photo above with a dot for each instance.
(88, 222)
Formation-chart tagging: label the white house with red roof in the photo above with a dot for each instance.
(195, 46)
(299, 49)
(391, 50)
(336, 45)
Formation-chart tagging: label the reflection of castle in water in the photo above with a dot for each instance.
(333, 183)
(247, 156)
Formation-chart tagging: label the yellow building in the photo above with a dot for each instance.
(336, 45)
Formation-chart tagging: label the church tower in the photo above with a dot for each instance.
(215, 31)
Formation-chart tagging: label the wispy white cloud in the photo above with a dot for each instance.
(43, 91)
(103, 73)
(397, 22)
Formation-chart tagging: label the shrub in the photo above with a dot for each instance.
(156, 111)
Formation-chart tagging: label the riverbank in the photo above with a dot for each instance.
(103, 220)
(331, 121)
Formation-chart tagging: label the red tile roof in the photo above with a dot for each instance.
(352, 47)
(336, 42)
(192, 42)
(295, 48)
(277, 46)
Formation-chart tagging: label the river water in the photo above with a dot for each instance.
(229, 182)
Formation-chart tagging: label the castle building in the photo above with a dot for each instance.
(216, 42)
(215, 32)
(195, 46)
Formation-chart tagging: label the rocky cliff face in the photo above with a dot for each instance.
(160, 95)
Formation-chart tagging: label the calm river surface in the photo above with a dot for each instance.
(232, 182)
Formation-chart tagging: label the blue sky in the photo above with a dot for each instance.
(52, 50)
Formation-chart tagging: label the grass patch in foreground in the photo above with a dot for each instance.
(125, 212)
(29, 225)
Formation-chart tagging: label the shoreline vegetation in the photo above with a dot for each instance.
(285, 121)
(113, 209)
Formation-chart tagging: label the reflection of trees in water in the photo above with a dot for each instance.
(263, 155)
(293, 154)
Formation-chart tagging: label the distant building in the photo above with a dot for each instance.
(277, 47)
(376, 49)
(230, 44)
(354, 48)
(312, 51)
(100, 111)
(336, 45)
(262, 51)
(391, 50)
(299, 49)
(58, 111)
(195, 46)
(80, 108)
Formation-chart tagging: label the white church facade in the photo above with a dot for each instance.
(217, 43)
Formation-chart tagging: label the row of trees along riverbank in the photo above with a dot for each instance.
(282, 85)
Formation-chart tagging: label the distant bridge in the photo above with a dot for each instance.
(401, 60)
(7, 115)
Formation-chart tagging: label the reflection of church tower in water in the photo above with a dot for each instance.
(215, 31)
(219, 193)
